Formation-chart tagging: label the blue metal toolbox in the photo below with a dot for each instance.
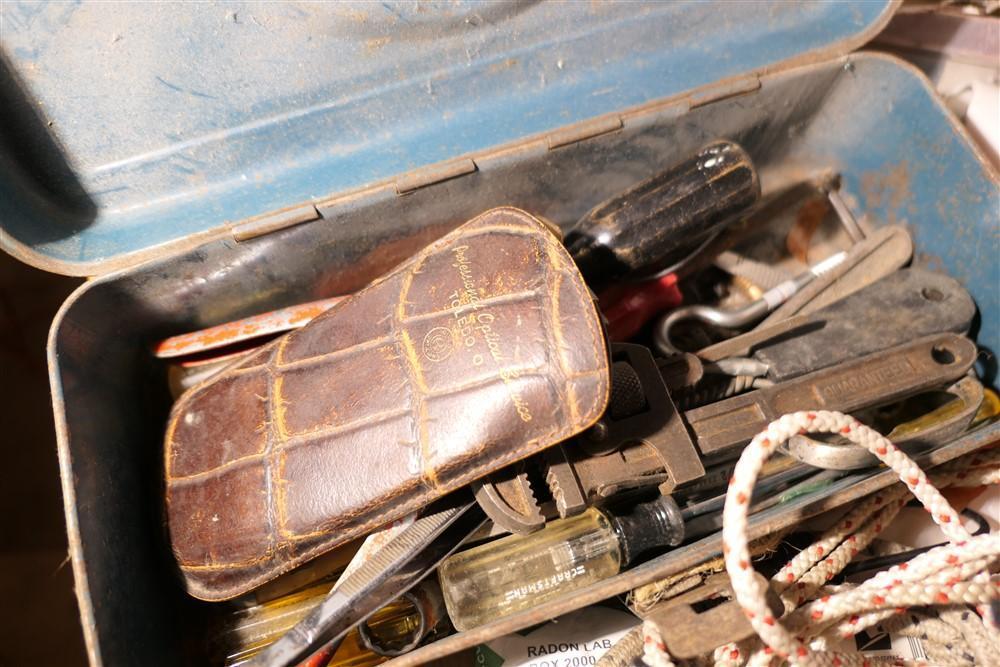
(205, 162)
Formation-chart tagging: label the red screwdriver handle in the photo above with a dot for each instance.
(629, 308)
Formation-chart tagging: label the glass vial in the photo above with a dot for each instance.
(399, 626)
(518, 572)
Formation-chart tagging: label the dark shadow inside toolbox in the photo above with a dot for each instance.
(32, 162)
(114, 393)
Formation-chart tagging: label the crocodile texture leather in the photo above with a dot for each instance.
(482, 349)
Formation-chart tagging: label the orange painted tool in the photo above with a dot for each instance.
(240, 331)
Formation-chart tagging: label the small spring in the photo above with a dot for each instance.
(711, 390)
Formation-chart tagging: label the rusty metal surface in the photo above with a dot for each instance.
(872, 380)
(652, 447)
(886, 250)
(658, 430)
(108, 405)
(681, 370)
(900, 307)
(934, 428)
(687, 556)
(246, 329)
(743, 344)
(509, 501)
(689, 633)
(898, 190)
(640, 441)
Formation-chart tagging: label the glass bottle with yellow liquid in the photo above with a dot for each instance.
(518, 572)
(393, 629)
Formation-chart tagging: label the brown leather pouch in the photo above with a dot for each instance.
(483, 349)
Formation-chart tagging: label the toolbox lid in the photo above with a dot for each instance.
(132, 130)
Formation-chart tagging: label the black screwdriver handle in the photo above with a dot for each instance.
(652, 225)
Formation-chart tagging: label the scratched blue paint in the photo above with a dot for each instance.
(903, 162)
(178, 120)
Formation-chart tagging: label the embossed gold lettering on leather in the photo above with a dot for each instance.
(483, 349)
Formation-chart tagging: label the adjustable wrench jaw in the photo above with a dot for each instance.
(640, 441)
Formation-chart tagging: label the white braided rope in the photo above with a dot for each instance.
(750, 590)
(955, 636)
(940, 567)
(930, 628)
(654, 650)
(845, 538)
(732, 655)
(850, 544)
(831, 539)
(977, 469)
(811, 568)
(865, 620)
(973, 633)
(974, 477)
(857, 623)
(875, 523)
(828, 609)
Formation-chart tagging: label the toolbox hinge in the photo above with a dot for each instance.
(586, 130)
(272, 222)
(741, 86)
(435, 173)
